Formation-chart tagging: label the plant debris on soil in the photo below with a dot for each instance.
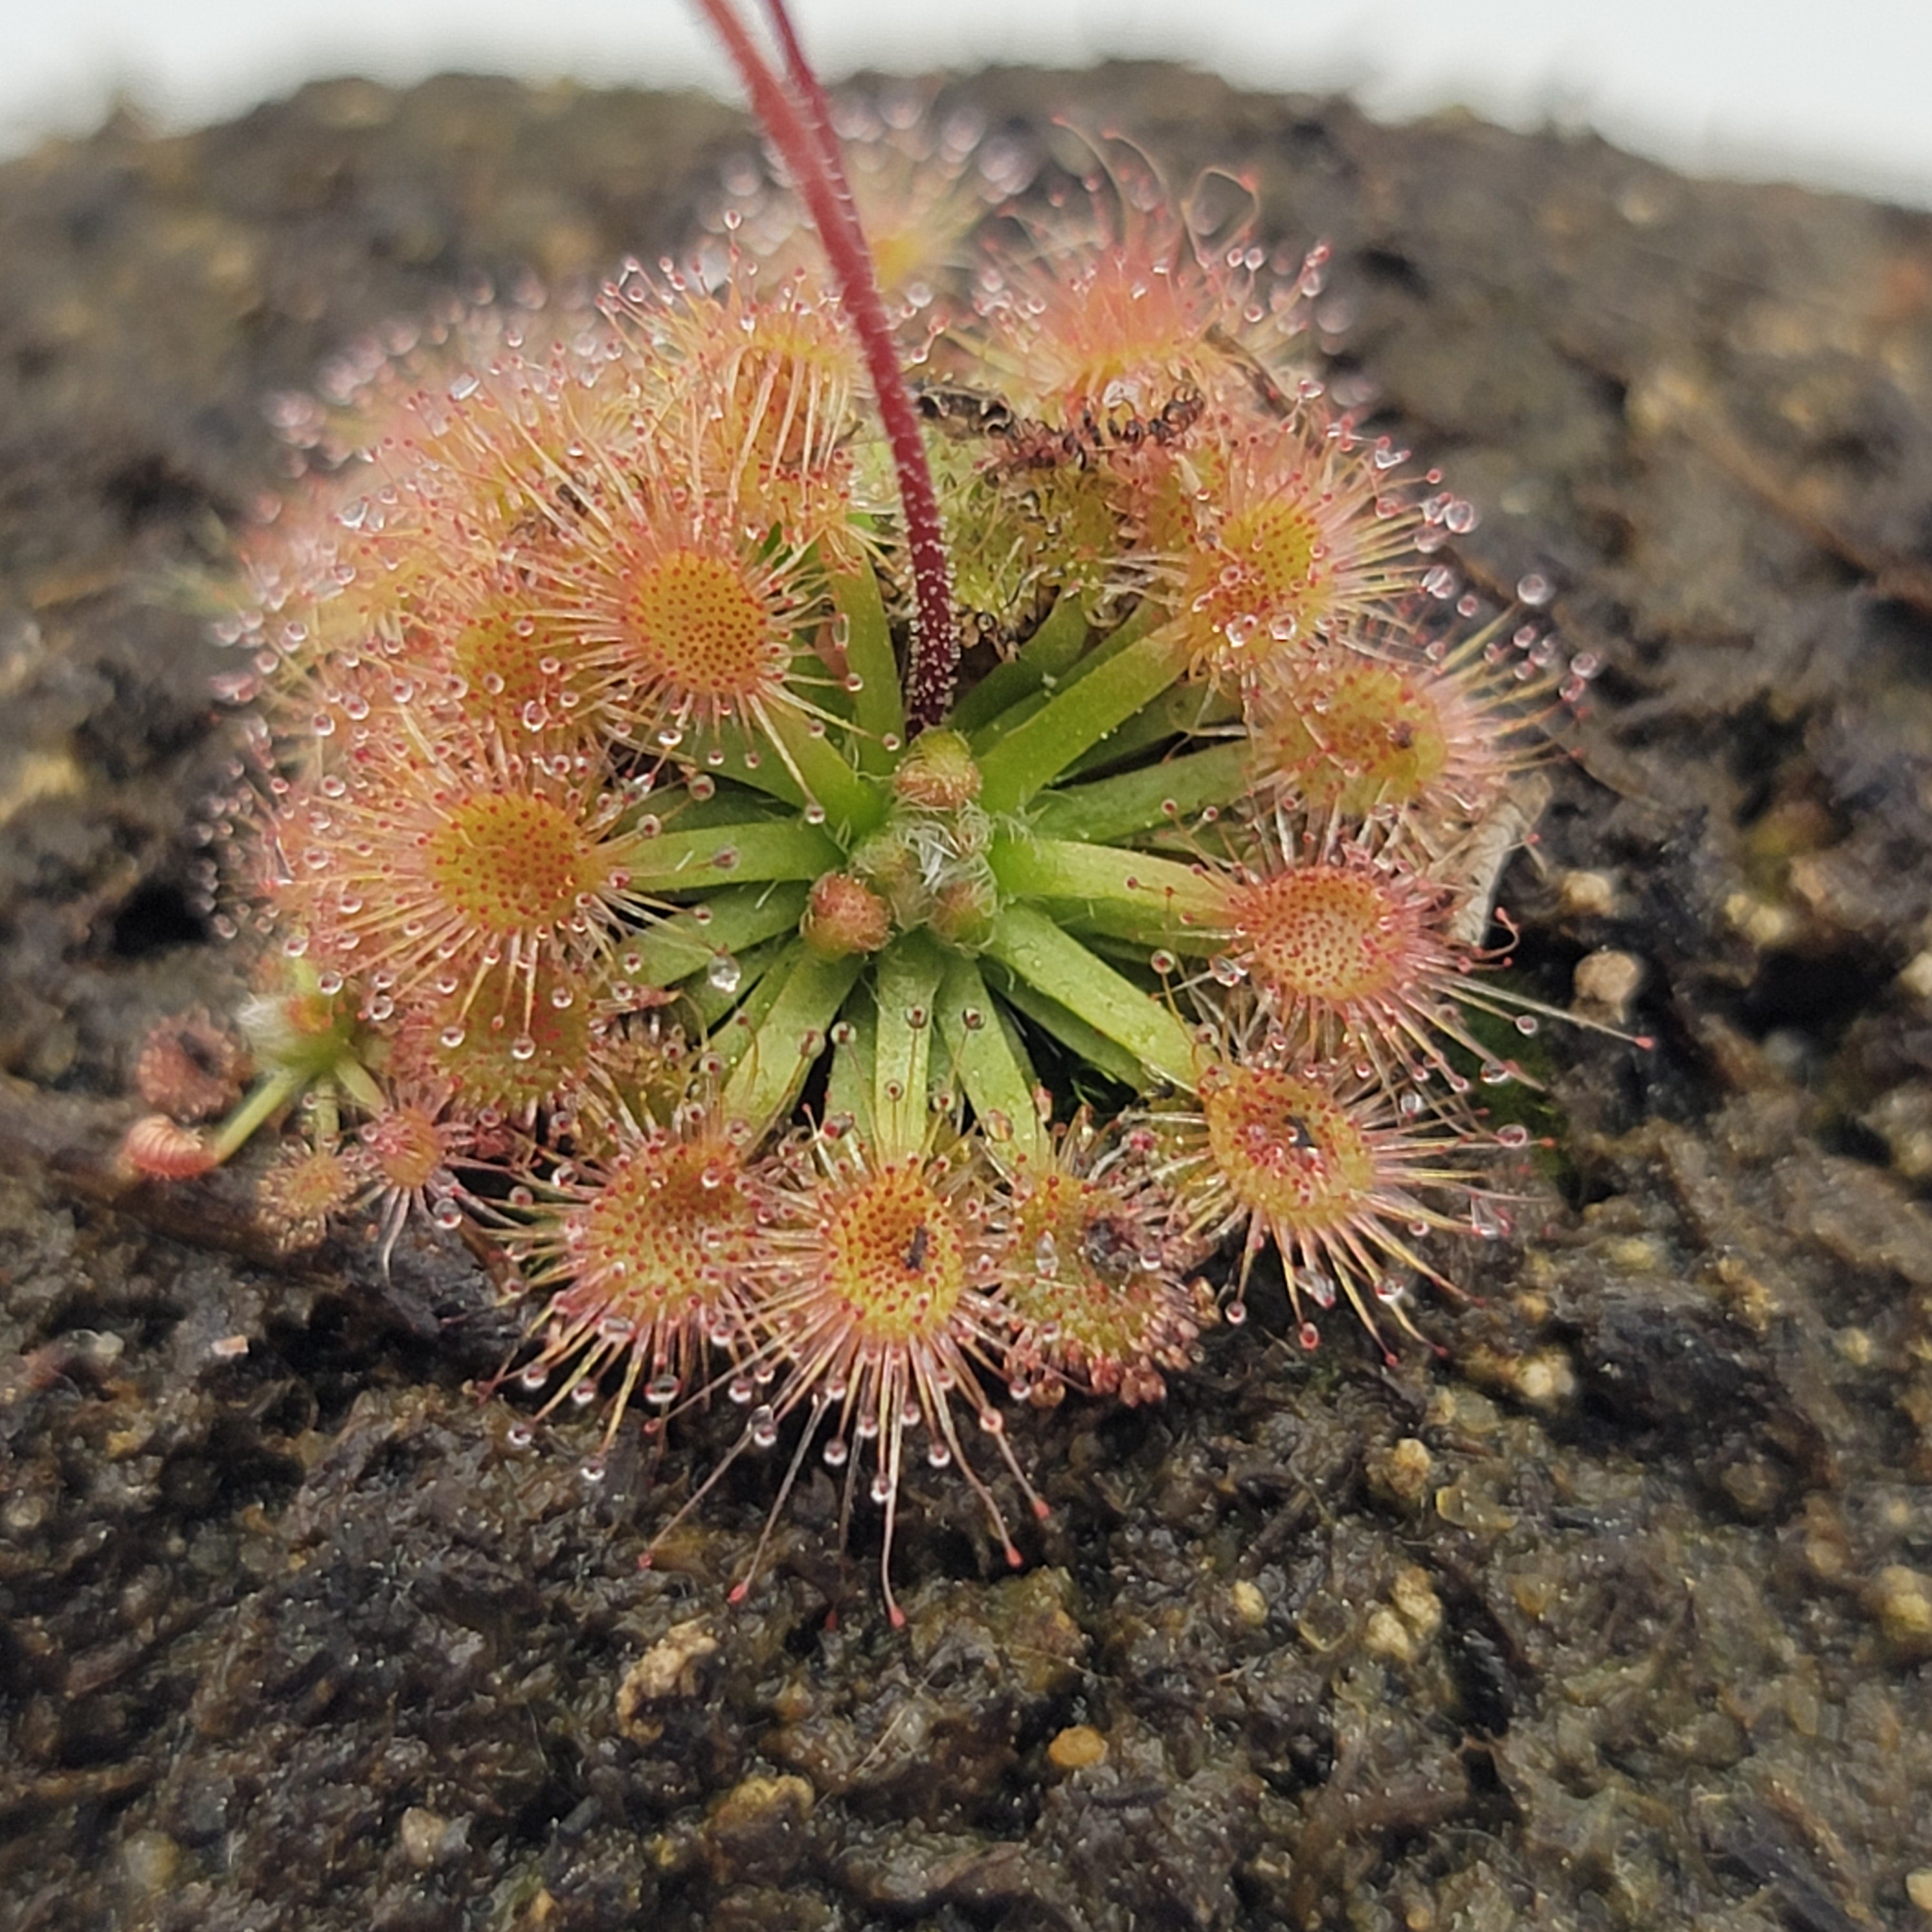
(1618, 1613)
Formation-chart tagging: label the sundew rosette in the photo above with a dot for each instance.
(858, 834)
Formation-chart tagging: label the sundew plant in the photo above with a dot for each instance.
(864, 805)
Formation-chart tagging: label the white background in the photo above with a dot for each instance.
(1835, 92)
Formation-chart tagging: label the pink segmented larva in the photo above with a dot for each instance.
(159, 1146)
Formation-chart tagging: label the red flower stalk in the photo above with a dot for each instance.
(795, 118)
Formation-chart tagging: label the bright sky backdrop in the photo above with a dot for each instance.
(1835, 92)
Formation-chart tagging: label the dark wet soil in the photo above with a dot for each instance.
(1619, 1615)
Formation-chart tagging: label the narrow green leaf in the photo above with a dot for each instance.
(990, 1064)
(1184, 711)
(1030, 944)
(853, 805)
(905, 989)
(702, 860)
(1092, 1048)
(1046, 656)
(1122, 637)
(730, 920)
(879, 707)
(673, 806)
(747, 760)
(729, 1040)
(855, 1059)
(274, 1091)
(1117, 808)
(1163, 894)
(773, 1053)
(710, 1000)
(1034, 754)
